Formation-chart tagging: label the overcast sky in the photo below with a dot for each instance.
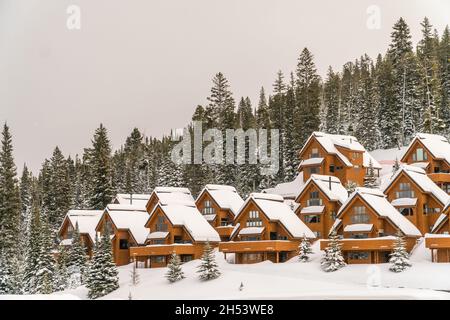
(147, 64)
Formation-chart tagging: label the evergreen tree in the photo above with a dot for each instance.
(208, 268)
(332, 102)
(399, 258)
(370, 179)
(102, 276)
(444, 63)
(45, 268)
(174, 272)
(99, 161)
(62, 276)
(288, 135)
(33, 249)
(395, 167)
(304, 250)
(333, 259)
(77, 259)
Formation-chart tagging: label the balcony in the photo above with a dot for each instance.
(162, 250)
(437, 241)
(369, 244)
(225, 231)
(258, 246)
(440, 177)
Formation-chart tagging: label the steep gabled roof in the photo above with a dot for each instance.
(330, 142)
(288, 190)
(174, 195)
(420, 178)
(134, 199)
(437, 145)
(191, 219)
(131, 218)
(381, 206)
(275, 209)
(331, 186)
(87, 221)
(442, 218)
(226, 197)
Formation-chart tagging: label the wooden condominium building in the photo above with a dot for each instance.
(416, 196)
(169, 195)
(266, 228)
(336, 155)
(319, 201)
(368, 223)
(174, 228)
(439, 240)
(432, 153)
(132, 199)
(87, 220)
(219, 205)
(126, 223)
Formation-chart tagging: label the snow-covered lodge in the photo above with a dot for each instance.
(126, 223)
(132, 199)
(86, 220)
(416, 197)
(336, 155)
(219, 205)
(319, 201)
(266, 228)
(439, 240)
(174, 227)
(368, 223)
(172, 195)
(432, 153)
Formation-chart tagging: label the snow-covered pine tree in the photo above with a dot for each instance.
(9, 215)
(62, 277)
(333, 259)
(174, 272)
(395, 167)
(370, 179)
(444, 63)
(77, 257)
(26, 186)
(332, 102)
(45, 268)
(32, 249)
(99, 162)
(208, 268)
(102, 276)
(399, 258)
(290, 157)
(304, 250)
(351, 187)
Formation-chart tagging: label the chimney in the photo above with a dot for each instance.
(329, 183)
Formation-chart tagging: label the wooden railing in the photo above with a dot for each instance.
(259, 246)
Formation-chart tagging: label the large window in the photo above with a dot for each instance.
(314, 199)
(224, 222)
(312, 218)
(358, 255)
(315, 153)
(253, 219)
(360, 215)
(420, 155)
(251, 238)
(208, 208)
(123, 244)
(69, 232)
(406, 211)
(427, 209)
(405, 191)
(161, 224)
(314, 170)
(359, 235)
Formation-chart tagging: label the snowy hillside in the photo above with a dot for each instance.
(291, 280)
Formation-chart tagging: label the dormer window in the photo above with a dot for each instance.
(69, 232)
(208, 208)
(420, 155)
(360, 215)
(314, 199)
(314, 153)
(253, 219)
(405, 191)
(161, 224)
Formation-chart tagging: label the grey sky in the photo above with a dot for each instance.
(147, 64)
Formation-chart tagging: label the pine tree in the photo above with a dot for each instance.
(174, 272)
(45, 268)
(62, 276)
(77, 259)
(102, 276)
(290, 158)
(331, 102)
(33, 249)
(444, 63)
(304, 250)
(370, 179)
(333, 259)
(208, 268)
(399, 258)
(99, 161)
(395, 167)
(351, 187)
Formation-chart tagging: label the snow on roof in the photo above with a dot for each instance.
(210, 217)
(225, 196)
(173, 195)
(312, 209)
(132, 220)
(438, 222)
(337, 192)
(251, 230)
(287, 189)
(330, 142)
(192, 220)
(419, 176)
(87, 220)
(436, 235)
(311, 161)
(157, 235)
(336, 223)
(66, 242)
(358, 227)
(125, 207)
(436, 144)
(275, 209)
(134, 199)
(422, 165)
(404, 202)
(379, 203)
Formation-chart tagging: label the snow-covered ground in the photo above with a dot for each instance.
(291, 280)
